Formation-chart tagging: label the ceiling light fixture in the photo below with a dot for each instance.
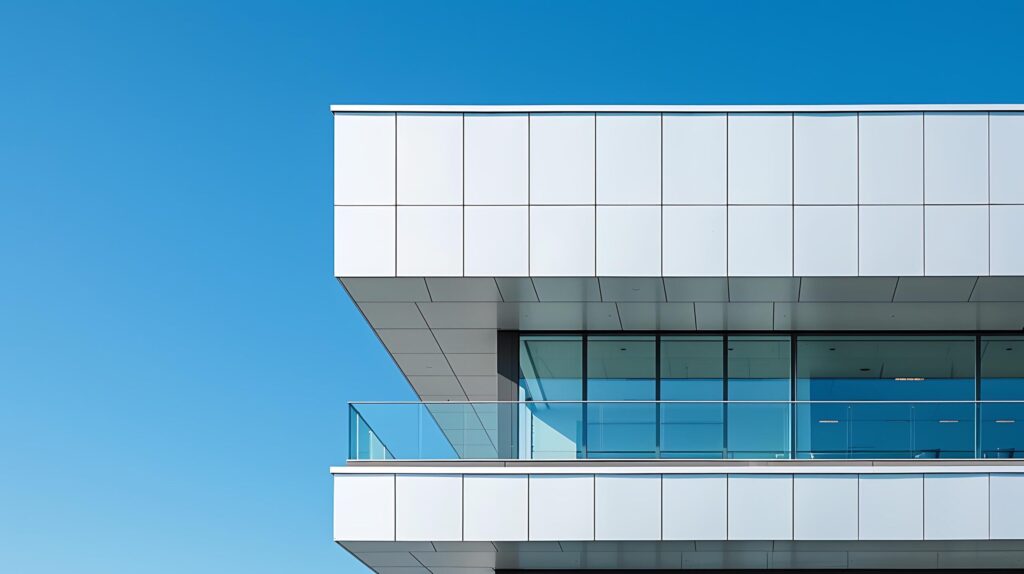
(828, 421)
(1005, 421)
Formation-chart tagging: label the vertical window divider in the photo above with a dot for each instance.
(792, 396)
(657, 395)
(585, 407)
(725, 396)
(977, 396)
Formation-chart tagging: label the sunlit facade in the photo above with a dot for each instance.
(685, 337)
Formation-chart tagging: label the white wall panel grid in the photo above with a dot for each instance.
(497, 159)
(956, 158)
(891, 158)
(364, 241)
(430, 159)
(428, 507)
(956, 240)
(825, 507)
(1006, 168)
(430, 241)
(761, 507)
(694, 150)
(629, 159)
(496, 507)
(364, 159)
(891, 239)
(876, 194)
(825, 159)
(825, 241)
(891, 507)
(497, 241)
(628, 241)
(694, 507)
(364, 507)
(693, 241)
(561, 507)
(1006, 506)
(760, 159)
(760, 241)
(562, 241)
(1007, 239)
(627, 507)
(956, 507)
(806, 506)
(562, 164)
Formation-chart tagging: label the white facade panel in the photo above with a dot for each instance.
(629, 159)
(956, 240)
(760, 159)
(891, 158)
(760, 241)
(364, 241)
(825, 159)
(627, 507)
(891, 507)
(1007, 239)
(428, 507)
(825, 241)
(694, 159)
(364, 159)
(497, 241)
(1006, 505)
(561, 507)
(694, 507)
(429, 241)
(1006, 157)
(497, 159)
(562, 159)
(628, 241)
(430, 159)
(825, 507)
(761, 507)
(891, 240)
(693, 241)
(364, 507)
(955, 158)
(956, 507)
(562, 241)
(495, 507)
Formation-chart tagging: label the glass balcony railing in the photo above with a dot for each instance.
(562, 430)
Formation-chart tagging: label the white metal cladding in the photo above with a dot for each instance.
(932, 503)
(679, 191)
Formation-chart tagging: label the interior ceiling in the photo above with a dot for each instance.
(442, 331)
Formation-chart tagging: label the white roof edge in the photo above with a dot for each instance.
(360, 108)
(670, 469)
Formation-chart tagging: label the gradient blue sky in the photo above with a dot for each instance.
(175, 356)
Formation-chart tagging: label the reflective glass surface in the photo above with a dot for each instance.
(692, 370)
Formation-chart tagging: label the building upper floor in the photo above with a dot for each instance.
(679, 191)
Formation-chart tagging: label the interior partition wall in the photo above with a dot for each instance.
(771, 395)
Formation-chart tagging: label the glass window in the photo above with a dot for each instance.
(881, 368)
(551, 369)
(1002, 379)
(863, 393)
(758, 371)
(621, 369)
(691, 370)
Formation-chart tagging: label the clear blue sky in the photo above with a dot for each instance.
(175, 356)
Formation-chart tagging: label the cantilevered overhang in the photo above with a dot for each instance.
(453, 222)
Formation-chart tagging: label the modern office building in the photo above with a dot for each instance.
(686, 337)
